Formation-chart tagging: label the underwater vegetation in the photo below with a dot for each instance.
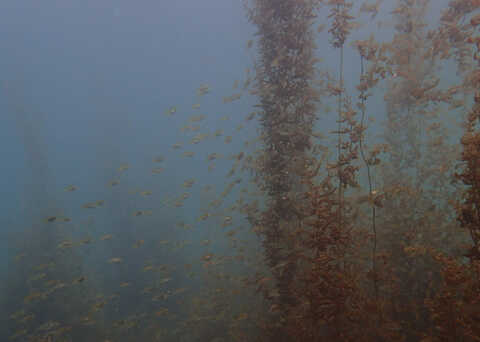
(384, 264)
(353, 214)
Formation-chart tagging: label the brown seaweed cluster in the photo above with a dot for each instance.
(393, 264)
